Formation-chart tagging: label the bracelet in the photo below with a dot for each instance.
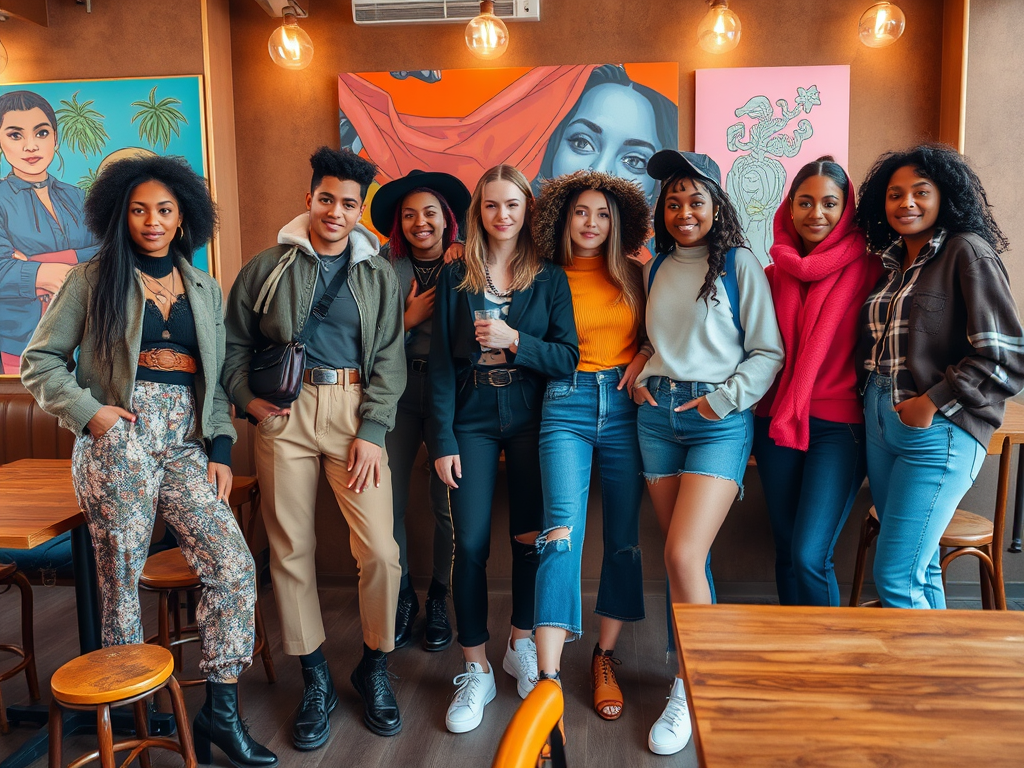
(515, 342)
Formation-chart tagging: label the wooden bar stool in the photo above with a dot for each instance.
(10, 575)
(118, 676)
(168, 574)
(967, 533)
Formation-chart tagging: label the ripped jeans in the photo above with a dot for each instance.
(584, 414)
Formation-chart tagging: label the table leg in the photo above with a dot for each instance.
(87, 593)
(1018, 503)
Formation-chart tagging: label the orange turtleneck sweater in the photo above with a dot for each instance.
(607, 328)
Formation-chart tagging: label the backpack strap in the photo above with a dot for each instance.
(732, 290)
(654, 269)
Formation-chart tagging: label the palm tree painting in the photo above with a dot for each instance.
(85, 183)
(158, 119)
(80, 127)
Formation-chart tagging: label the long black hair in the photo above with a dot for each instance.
(106, 215)
(963, 205)
(726, 231)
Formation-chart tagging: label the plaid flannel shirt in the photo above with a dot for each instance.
(889, 318)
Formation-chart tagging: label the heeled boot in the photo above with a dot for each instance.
(218, 723)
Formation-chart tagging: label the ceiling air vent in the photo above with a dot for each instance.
(437, 11)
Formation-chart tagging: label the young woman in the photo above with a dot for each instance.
(42, 222)
(152, 422)
(419, 212)
(714, 351)
(809, 429)
(943, 352)
(589, 223)
(503, 324)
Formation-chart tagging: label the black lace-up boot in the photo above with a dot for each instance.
(371, 681)
(437, 634)
(405, 616)
(313, 725)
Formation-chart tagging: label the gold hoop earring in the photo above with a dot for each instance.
(181, 232)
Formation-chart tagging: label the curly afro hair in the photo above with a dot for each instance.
(557, 193)
(341, 164)
(107, 201)
(963, 205)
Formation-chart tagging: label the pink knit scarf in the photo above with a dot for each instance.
(812, 294)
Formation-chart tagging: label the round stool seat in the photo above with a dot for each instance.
(112, 674)
(966, 529)
(241, 487)
(168, 570)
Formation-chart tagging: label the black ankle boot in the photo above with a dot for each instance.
(437, 634)
(370, 679)
(218, 723)
(313, 725)
(405, 616)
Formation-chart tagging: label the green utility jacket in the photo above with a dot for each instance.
(75, 392)
(273, 296)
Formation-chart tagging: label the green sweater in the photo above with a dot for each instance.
(273, 297)
(74, 398)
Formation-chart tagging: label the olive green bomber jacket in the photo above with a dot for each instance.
(272, 298)
(74, 392)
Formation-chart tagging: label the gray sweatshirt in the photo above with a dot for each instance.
(689, 340)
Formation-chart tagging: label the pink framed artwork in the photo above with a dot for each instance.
(761, 124)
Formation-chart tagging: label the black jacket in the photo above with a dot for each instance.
(548, 346)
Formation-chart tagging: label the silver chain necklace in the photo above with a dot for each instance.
(490, 285)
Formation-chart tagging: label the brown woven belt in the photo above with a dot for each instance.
(167, 360)
(322, 376)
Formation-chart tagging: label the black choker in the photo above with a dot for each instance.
(155, 266)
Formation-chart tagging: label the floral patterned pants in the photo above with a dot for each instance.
(127, 475)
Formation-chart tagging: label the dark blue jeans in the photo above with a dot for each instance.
(582, 414)
(809, 495)
(403, 444)
(489, 420)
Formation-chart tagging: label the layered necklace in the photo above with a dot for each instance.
(490, 285)
(160, 291)
(427, 272)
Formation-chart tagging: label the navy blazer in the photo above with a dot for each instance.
(548, 345)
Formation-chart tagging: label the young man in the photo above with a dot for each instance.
(355, 374)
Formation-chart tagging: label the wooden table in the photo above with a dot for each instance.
(781, 687)
(38, 502)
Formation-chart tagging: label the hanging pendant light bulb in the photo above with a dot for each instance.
(3, 58)
(290, 47)
(719, 30)
(487, 35)
(881, 25)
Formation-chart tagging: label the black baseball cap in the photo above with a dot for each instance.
(389, 196)
(668, 162)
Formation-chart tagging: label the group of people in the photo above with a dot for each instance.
(882, 341)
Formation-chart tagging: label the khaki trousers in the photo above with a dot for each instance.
(322, 425)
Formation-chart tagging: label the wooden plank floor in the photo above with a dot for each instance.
(423, 686)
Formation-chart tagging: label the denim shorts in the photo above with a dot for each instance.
(686, 443)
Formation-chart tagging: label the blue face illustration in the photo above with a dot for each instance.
(614, 132)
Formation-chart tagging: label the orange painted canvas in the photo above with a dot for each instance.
(544, 120)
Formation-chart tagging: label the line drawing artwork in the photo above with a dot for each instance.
(756, 181)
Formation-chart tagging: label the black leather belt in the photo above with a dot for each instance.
(496, 377)
(418, 365)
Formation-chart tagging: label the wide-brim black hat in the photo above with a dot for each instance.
(391, 195)
(549, 214)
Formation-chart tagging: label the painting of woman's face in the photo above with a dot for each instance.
(613, 131)
(28, 142)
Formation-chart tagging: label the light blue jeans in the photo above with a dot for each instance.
(917, 477)
(584, 414)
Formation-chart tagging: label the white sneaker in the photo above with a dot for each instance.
(521, 663)
(672, 730)
(475, 690)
